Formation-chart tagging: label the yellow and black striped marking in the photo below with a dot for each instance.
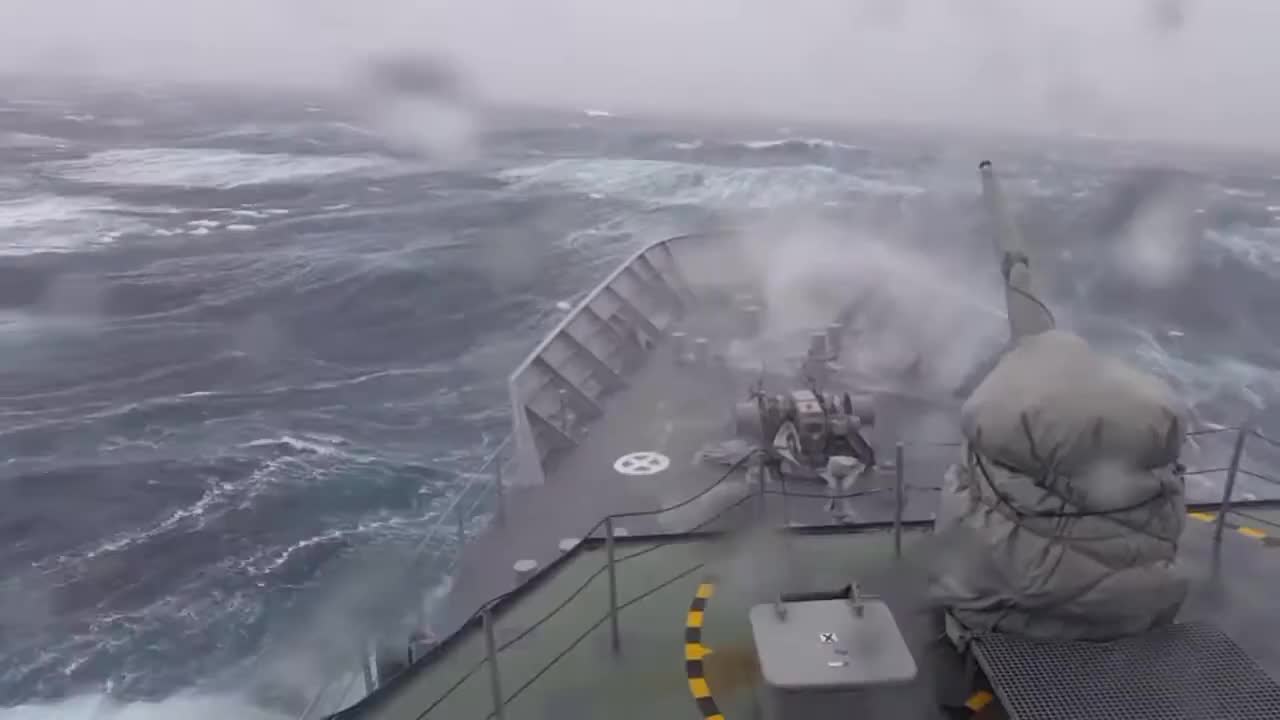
(979, 701)
(694, 651)
(1249, 532)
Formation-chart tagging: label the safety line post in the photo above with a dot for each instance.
(491, 656)
(761, 508)
(497, 488)
(368, 651)
(1232, 469)
(610, 553)
(462, 525)
(899, 457)
(786, 503)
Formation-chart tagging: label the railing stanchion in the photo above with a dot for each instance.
(462, 526)
(370, 682)
(1233, 469)
(315, 701)
(786, 503)
(491, 656)
(614, 637)
(497, 488)
(761, 508)
(899, 457)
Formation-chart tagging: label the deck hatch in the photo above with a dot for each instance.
(1185, 671)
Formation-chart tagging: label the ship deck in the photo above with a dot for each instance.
(556, 660)
(555, 657)
(676, 410)
(693, 526)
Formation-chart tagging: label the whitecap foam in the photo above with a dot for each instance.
(314, 445)
(49, 223)
(40, 210)
(1242, 193)
(207, 168)
(597, 113)
(269, 564)
(383, 527)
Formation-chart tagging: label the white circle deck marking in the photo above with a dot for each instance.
(645, 462)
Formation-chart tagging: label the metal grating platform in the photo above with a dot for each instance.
(1188, 671)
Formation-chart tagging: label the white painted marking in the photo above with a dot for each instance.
(645, 462)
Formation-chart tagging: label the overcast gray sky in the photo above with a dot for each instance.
(1104, 66)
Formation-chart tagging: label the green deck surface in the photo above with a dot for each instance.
(647, 678)
(565, 667)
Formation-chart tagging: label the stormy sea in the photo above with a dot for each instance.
(246, 337)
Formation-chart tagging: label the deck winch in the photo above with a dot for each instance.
(807, 428)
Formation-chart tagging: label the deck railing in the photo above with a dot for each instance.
(459, 517)
(480, 498)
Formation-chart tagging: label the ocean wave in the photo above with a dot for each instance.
(796, 144)
(96, 385)
(213, 495)
(103, 707)
(1259, 249)
(29, 141)
(219, 496)
(681, 183)
(210, 168)
(360, 379)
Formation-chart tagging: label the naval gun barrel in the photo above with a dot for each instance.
(1028, 315)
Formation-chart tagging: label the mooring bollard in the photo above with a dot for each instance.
(679, 347)
(702, 352)
(524, 570)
